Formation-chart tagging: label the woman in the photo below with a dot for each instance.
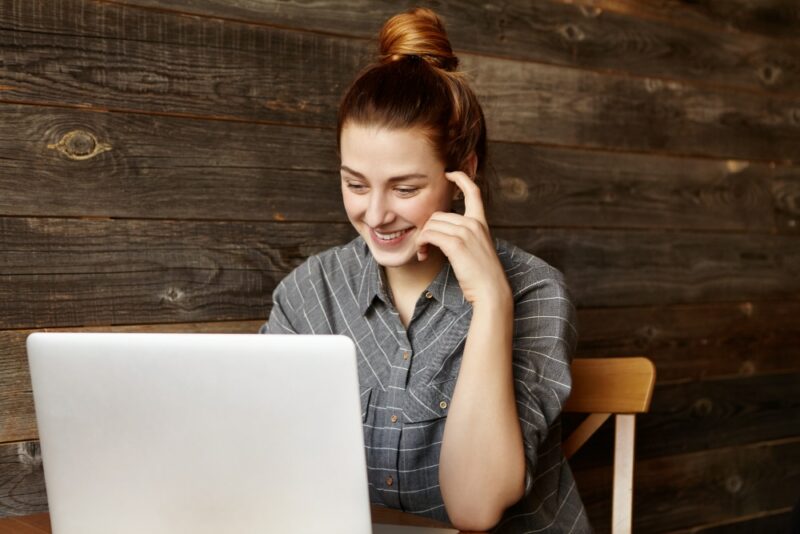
(463, 342)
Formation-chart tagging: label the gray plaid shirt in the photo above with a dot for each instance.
(407, 376)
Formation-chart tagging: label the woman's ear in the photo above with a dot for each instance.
(472, 165)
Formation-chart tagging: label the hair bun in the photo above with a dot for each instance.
(417, 32)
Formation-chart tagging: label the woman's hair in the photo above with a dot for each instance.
(415, 84)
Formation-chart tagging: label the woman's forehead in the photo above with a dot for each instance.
(382, 147)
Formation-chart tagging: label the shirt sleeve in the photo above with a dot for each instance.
(545, 336)
(281, 316)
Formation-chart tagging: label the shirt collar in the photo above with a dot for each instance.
(444, 288)
(371, 285)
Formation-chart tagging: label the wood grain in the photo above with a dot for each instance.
(236, 71)
(708, 414)
(22, 490)
(772, 521)
(683, 490)
(651, 40)
(698, 341)
(665, 268)
(178, 168)
(83, 272)
(774, 19)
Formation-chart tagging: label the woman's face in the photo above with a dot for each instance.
(392, 181)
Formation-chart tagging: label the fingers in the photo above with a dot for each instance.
(472, 195)
(458, 220)
(448, 232)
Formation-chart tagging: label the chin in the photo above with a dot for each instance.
(392, 259)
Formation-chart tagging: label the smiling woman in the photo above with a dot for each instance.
(464, 342)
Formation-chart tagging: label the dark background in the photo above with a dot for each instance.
(164, 163)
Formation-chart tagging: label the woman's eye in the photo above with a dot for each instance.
(355, 187)
(406, 190)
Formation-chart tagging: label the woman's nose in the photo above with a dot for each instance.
(378, 211)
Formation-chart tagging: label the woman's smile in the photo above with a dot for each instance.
(389, 239)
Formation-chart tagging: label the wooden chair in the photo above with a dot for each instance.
(603, 387)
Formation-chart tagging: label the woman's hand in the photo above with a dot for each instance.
(466, 242)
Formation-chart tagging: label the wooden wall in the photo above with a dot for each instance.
(163, 164)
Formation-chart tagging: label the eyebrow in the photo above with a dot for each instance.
(392, 179)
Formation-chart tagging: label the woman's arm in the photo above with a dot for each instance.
(482, 462)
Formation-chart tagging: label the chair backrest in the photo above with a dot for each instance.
(602, 387)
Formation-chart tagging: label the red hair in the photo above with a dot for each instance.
(415, 84)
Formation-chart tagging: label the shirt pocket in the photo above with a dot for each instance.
(366, 393)
(428, 402)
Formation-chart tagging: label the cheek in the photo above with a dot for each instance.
(421, 211)
(354, 205)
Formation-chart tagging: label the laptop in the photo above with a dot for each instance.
(201, 433)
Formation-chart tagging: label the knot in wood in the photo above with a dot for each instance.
(734, 483)
(769, 74)
(173, 294)
(703, 407)
(747, 368)
(572, 32)
(79, 145)
(514, 189)
(29, 454)
(736, 166)
(591, 12)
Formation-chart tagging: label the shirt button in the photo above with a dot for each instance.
(443, 405)
(389, 481)
(394, 419)
(406, 355)
(428, 295)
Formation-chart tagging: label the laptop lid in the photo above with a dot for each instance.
(200, 433)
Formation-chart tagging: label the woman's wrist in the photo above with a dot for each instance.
(499, 301)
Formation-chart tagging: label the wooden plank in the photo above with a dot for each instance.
(703, 415)
(17, 416)
(86, 272)
(22, 489)
(632, 268)
(177, 168)
(611, 385)
(164, 167)
(698, 341)
(602, 34)
(775, 19)
(130, 272)
(256, 73)
(772, 521)
(683, 490)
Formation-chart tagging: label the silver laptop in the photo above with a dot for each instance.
(201, 433)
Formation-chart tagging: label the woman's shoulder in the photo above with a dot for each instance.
(528, 273)
(342, 261)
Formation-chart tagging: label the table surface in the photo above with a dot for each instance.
(40, 523)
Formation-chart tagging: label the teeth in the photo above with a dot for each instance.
(387, 237)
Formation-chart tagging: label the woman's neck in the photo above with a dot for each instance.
(409, 280)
